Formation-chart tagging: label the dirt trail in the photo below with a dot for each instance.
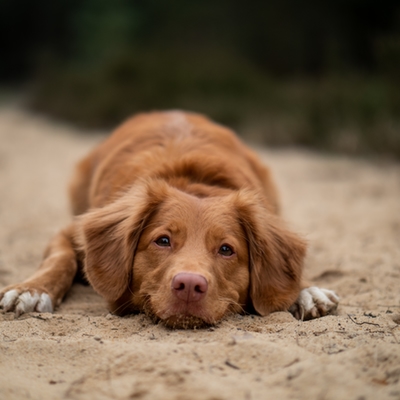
(348, 209)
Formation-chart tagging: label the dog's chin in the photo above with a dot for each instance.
(182, 321)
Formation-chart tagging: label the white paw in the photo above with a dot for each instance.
(27, 301)
(314, 302)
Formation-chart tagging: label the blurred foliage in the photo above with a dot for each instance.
(321, 74)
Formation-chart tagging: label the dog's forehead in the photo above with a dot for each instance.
(205, 212)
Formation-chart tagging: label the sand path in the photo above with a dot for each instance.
(348, 209)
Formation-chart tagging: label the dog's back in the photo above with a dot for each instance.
(184, 149)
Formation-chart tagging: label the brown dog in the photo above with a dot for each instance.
(175, 217)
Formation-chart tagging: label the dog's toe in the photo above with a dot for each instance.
(8, 300)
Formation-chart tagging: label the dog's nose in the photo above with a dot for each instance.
(189, 287)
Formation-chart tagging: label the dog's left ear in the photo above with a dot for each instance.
(276, 256)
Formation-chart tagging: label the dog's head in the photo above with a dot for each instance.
(189, 260)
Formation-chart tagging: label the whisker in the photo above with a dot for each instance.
(122, 306)
(231, 302)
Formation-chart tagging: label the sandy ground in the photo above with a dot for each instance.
(348, 209)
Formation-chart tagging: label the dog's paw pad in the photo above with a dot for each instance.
(25, 301)
(314, 302)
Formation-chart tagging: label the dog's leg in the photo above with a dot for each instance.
(314, 302)
(45, 289)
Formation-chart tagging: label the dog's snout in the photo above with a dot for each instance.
(189, 287)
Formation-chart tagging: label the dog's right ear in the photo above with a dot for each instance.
(276, 255)
(108, 237)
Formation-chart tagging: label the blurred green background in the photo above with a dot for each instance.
(322, 74)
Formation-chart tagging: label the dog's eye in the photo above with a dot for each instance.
(225, 250)
(163, 241)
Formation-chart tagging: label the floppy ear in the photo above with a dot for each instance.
(275, 255)
(109, 237)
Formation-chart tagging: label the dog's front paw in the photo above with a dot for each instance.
(22, 299)
(314, 302)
